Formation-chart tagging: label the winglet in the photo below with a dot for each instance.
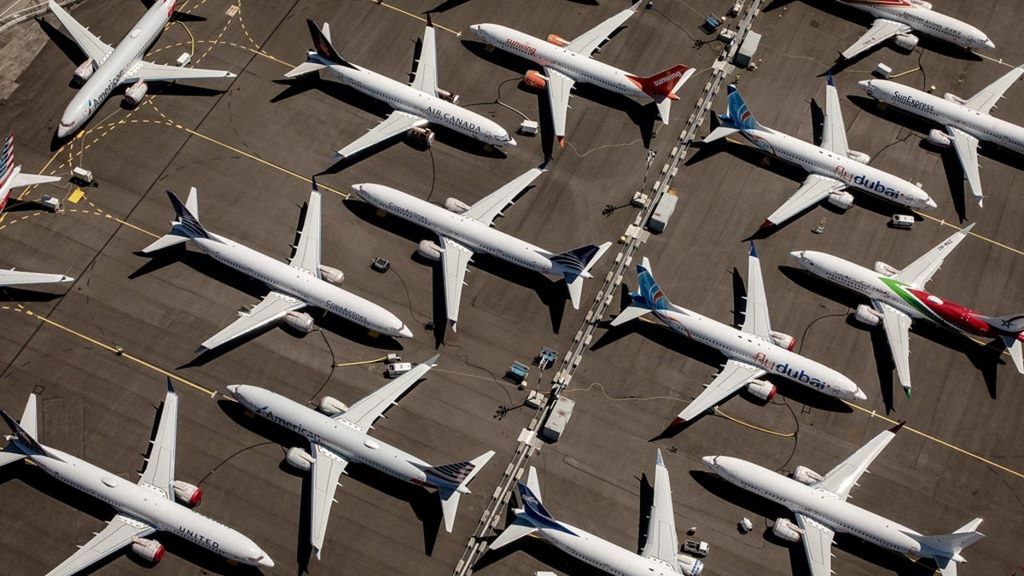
(170, 386)
(315, 187)
(432, 361)
(829, 80)
(753, 250)
(660, 461)
(430, 21)
(898, 427)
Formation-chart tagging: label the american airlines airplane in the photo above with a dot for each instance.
(12, 177)
(898, 298)
(107, 67)
(753, 351)
(464, 230)
(341, 435)
(899, 19)
(967, 122)
(832, 167)
(157, 503)
(565, 63)
(819, 505)
(302, 282)
(415, 105)
(659, 557)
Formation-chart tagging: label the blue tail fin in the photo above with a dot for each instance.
(536, 512)
(739, 115)
(648, 294)
(187, 222)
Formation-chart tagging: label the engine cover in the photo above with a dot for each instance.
(84, 72)
(151, 550)
(299, 321)
(906, 41)
(332, 275)
(787, 530)
(950, 97)
(805, 475)
(783, 340)
(429, 250)
(939, 138)
(867, 315)
(885, 269)
(841, 199)
(299, 458)
(455, 205)
(859, 156)
(446, 95)
(136, 92)
(762, 390)
(188, 494)
(422, 137)
(690, 565)
(332, 406)
(534, 80)
(922, 4)
(557, 40)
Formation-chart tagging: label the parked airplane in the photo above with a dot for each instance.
(566, 63)
(753, 350)
(342, 435)
(464, 230)
(415, 105)
(898, 298)
(11, 176)
(966, 121)
(108, 67)
(151, 505)
(833, 167)
(659, 557)
(899, 19)
(302, 282)
(819, 505)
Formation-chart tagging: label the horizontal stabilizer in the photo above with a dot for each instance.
(517, 529)
(25, 433)
(575, 265)
(630, 313)
(948, 546)
(323, 45)
(1013, 347)
(164, 241)
(304, 68)
(719, 133)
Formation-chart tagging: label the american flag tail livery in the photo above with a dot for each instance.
(452, 480)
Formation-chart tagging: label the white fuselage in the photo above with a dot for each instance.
(756, 351)
(925, 20)
(302, 285)
(947, 113)
(602, 554)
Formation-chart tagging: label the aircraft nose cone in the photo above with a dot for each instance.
(931, 203)
(798, 255)
(266, 562)
(405, 332)
(988, 43)
(709, 461)
(860, 395)
(359, 191)
(865, 85)
(233, 389)
(511, 143)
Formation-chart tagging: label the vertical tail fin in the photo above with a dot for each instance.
(945, 548)
(7, 160)
(739, 115)
(575, 266)
(648, 296)
(323, 45)
(24, 433)
(662, 87)
(452, 481)
(186, 224)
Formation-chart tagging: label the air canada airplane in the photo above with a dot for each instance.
(12, 177)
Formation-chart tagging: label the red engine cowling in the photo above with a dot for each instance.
(783, 340)
(535, 80)
(187, 494)
(151, 550)
(939, 138)
(557, 40)
(762, 390)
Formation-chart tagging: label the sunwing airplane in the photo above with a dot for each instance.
(566, 63)
(900, 18)
(832, 167)
(342, 435)
(151, 505)
(464, 230)
(302, 282)
(107, 67)
(753, 350)
(966, 121)
(415, 105)
(659, 557)
(12, 177)
(898, 298)
(819, 505)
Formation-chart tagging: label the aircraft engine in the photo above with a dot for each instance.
(299, 458)
(84, 72)
(299, 321)
(557, 40)
(188, 494)
(429, 250)
(906, 41)
(332, 406)
(535, 80)
(151, 550)
(762, 390)
(446, 95)
(805, 475)
(332, 275)
(867, 315)
(950, 97)
(787, 530)
(455, 205)
(841, 199)
(922, 4)
(136, 92)
(783, 340)
(859, 156)
(690, 565)
(422, 137)
(883, 268)
(939, 138)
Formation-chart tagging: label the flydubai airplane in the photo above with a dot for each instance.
(341, 435)
(898, 298)
(819, 505)
(302, 282)
(832, 167)
(967, 122)
(899, 19)
(107, 67)
(157, 503)
(12, 177)
(464, 230)
(659, 557)
(565, 63)
(416, 105)
(753, 350)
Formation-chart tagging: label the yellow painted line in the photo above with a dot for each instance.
(360, 362)
(77, 195)
(753, 426)
(894, 76)
(416, 16)
(942, 222)
(999, 61)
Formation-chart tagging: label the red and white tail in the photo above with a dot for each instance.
(664, 84)
(7, 160)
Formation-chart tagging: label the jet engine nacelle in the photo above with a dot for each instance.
(787, 530)
(859, 156)
(422, 137)
(557, 40)
(429, 250)
(805, 475)
(446, 95)
(151, 550)
(298, 458)
(906, 41)
(783, 340)
(690, 565)
(136, 92)
(332, 406)
(922, 4)
(455, 205)
(299, 321)
(761, 389)
(841, 199)
(885, 269)
(950, 97)
(332, 275)
(867, 315)
(84, 72)
(188, 494)
(939, 138)
(535, 80)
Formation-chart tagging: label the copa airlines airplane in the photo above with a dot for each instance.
(415, 106)
(832, 167)
(966, 121)
(12, 177)
(898, 298)
(565, 63)
(753, 350)
(302, 282)
(900, 18)
(819, 505)
(464, 230)
(342, 435)
(151, 505)
(107, 67)
(659, 557)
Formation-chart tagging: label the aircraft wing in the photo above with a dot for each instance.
(395, 124)
(120, 532)
(730, 380)
(817, 541)
(897, 333)
(150, 72)
(492, 205)
(662, 541)
(328, 467)
(90, 44)
(159, 470)
(272, 308)
(815, 189)
(841, 479)
(426, 70)
(966, 147)
(454, 263)
(589, 41)
(22, 180)
(17, 278)
(833, 135)
(559, 87)
(920, 271)
(880, 31)
(986, 100)
(365, 412)
(307, 252)
(755, 317)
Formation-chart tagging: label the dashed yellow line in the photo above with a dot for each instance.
(416, 16)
